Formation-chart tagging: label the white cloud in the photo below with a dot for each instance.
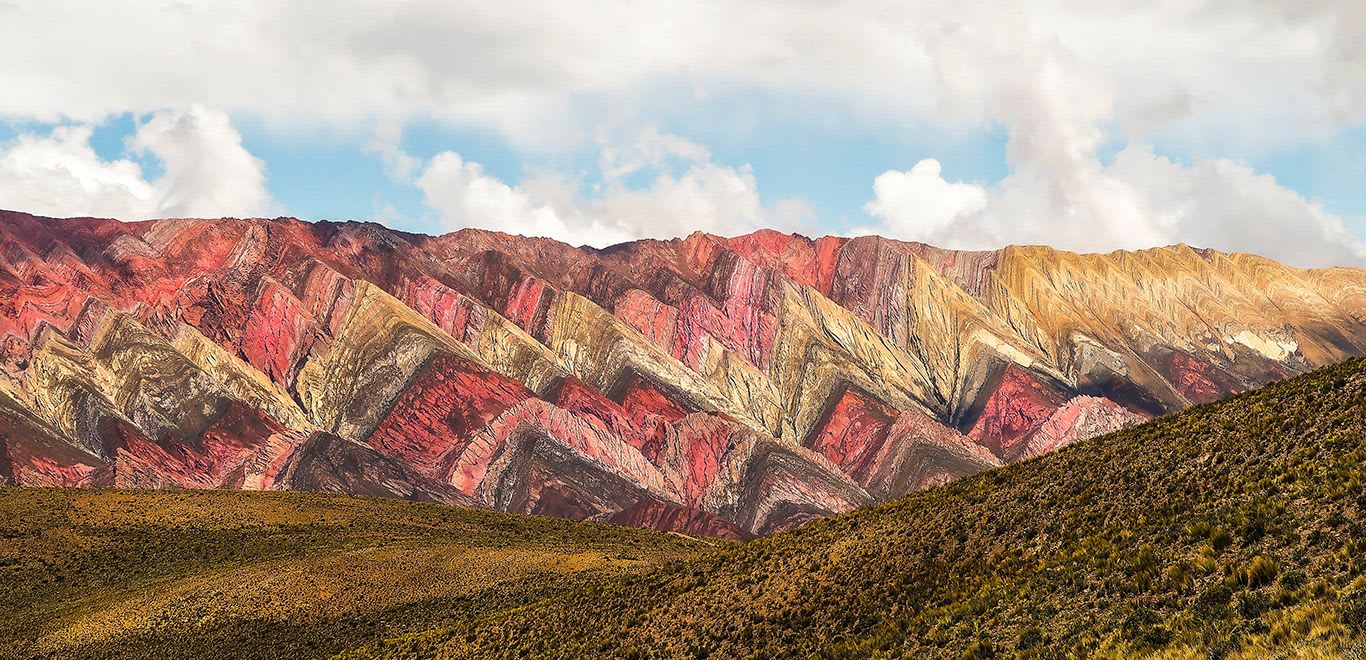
(921, 203)
(386, 143)
(61, 175)
(1253, 71)
(467, 197)
(207, 171)
(1070, 81)
(1061, 191)
(1151, 201)
(687, 191)
(649, 150)
(1219, 202)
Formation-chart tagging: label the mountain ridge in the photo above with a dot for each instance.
(738, 385)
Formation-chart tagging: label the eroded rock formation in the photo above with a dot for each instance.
(704, 385)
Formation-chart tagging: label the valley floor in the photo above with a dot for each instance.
(102, 573)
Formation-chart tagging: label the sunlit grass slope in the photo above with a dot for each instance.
(280, 575)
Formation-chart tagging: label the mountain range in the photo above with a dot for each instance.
(711, 386)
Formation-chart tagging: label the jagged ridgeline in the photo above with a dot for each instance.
(712, 386)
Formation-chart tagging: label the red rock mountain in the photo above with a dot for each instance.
(704, 385)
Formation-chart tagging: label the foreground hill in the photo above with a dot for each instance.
(194, 574)
(1235, 528)
(721, 386)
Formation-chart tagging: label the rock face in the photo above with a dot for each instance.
(705, 385)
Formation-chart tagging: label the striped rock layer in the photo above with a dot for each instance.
(704, 385)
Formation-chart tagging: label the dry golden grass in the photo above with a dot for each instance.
(229, 574)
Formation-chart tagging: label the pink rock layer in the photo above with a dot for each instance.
(705, 385)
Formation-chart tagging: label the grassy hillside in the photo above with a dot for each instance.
(1232, 529)
(231, 574)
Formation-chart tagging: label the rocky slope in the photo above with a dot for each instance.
(707, 385)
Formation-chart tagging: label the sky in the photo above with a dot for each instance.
(1089, 126)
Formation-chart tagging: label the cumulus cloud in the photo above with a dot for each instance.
(206, 171)
(61, 175)
(921, 203)
(686, 191)
(1071, 82)
(1223, 203)
(1154, 201)
(1255, 70)
(1062, 192)
(467, 197)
